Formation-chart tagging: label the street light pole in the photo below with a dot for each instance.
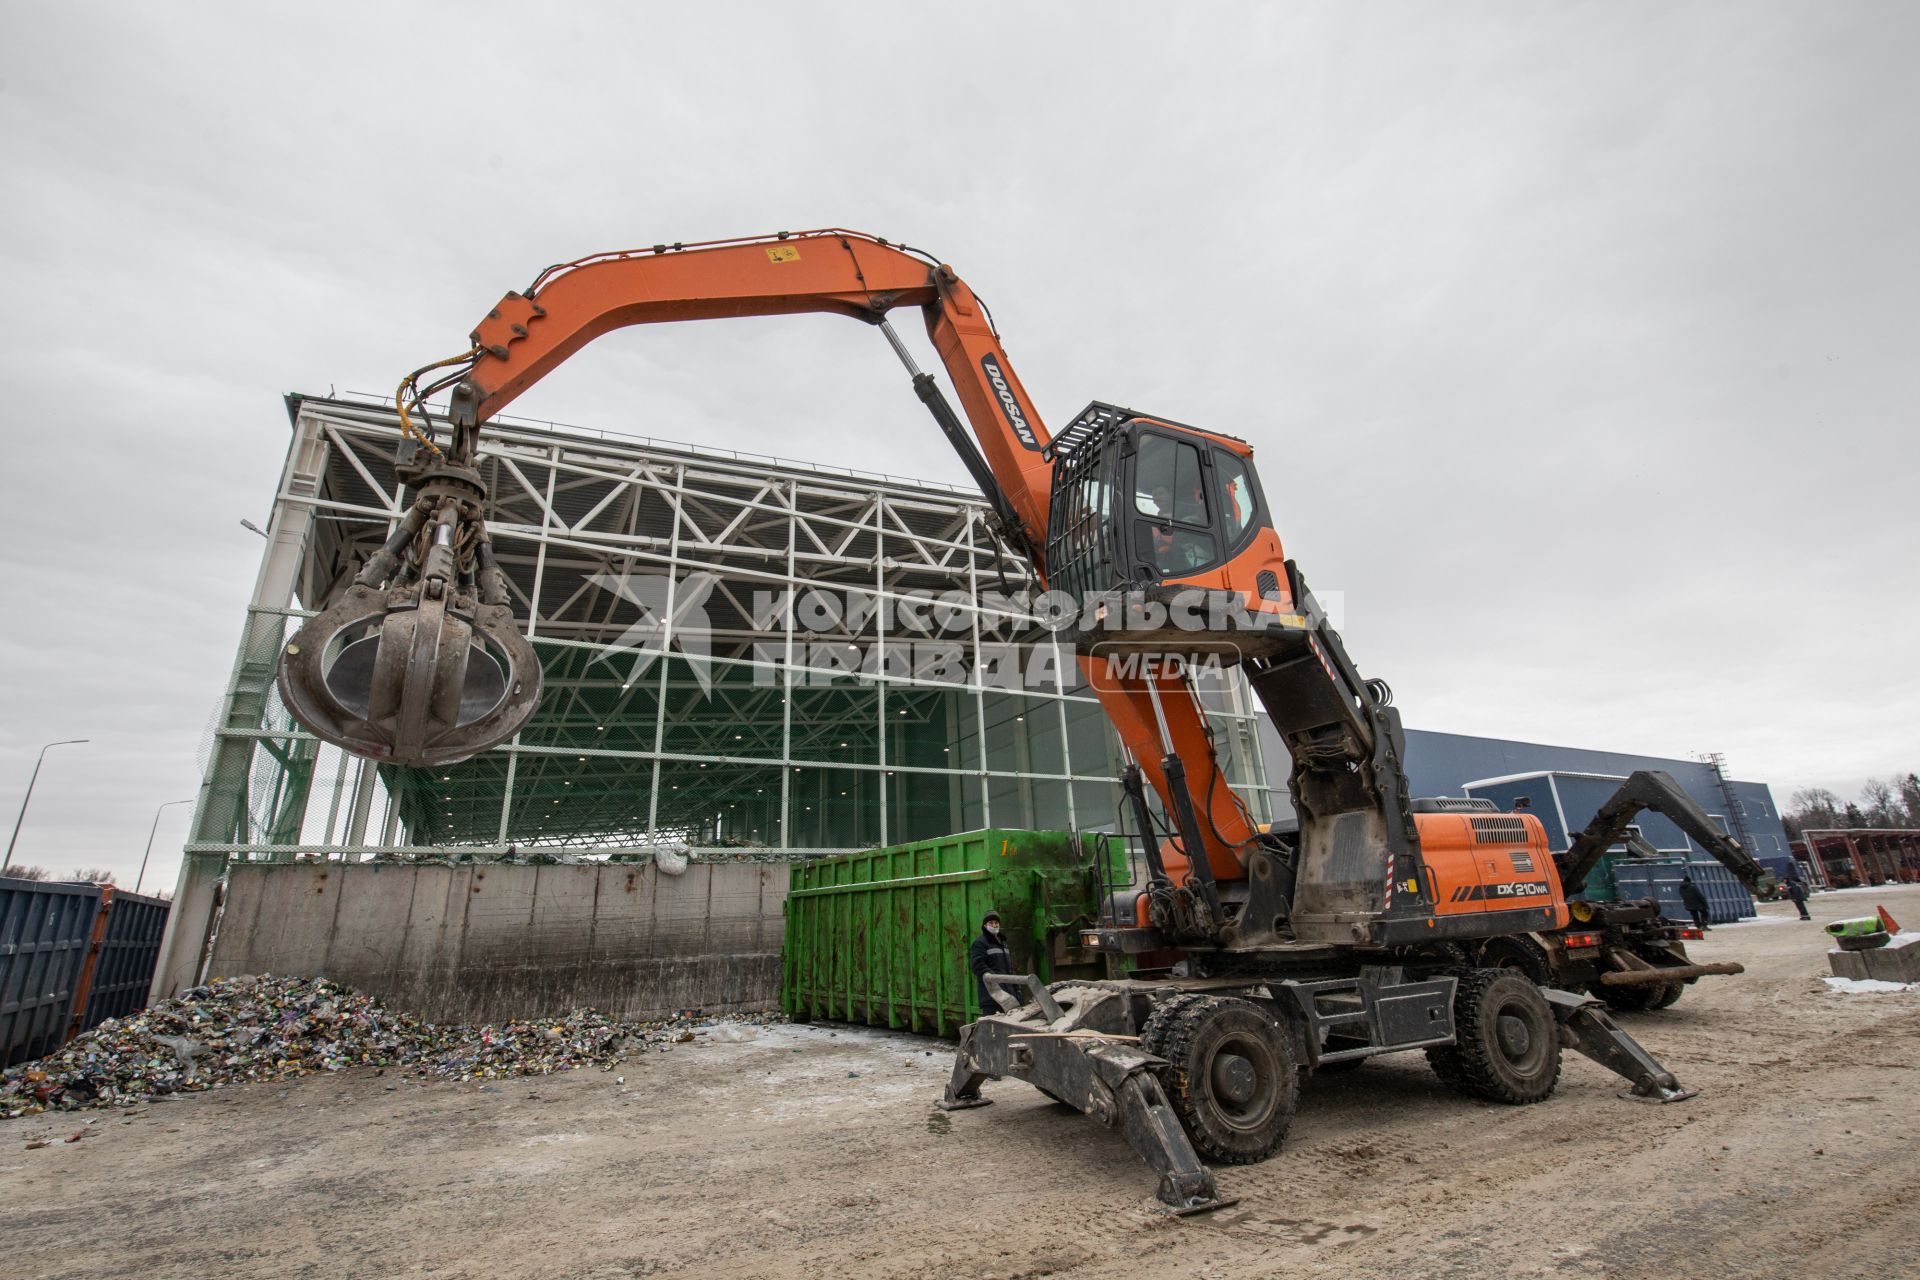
(23, 800)
(150, 834)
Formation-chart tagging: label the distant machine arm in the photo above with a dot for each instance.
(1655, 790)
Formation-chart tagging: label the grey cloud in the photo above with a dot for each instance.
(1576, 337)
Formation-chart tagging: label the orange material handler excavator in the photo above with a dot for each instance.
(1256, 957)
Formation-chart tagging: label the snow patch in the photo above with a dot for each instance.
(846, 1035)
(1868, 986)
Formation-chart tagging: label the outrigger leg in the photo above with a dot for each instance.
(1073, 1057)
(1586, 1027)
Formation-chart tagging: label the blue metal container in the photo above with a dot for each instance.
(1659, 878)
(48, 929)
(123, 970)
(45, 931)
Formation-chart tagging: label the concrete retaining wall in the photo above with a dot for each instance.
(493, 943)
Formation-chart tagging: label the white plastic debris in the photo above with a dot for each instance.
(185, 1050)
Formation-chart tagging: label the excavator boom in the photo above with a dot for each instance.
(527, 335)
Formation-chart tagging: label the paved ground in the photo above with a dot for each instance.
(808, 1152)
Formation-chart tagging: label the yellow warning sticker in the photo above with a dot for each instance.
(783, 253)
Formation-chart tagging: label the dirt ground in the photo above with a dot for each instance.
(816, 1152)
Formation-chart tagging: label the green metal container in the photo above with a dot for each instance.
(1600, 881)
(881, 937)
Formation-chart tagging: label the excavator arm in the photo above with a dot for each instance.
(415, 665)
(1656, 790)
(529, 334)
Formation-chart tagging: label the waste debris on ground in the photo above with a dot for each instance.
(238, 1030)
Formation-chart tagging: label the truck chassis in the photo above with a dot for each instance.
(1210, 1068)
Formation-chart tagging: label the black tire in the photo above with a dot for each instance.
(1506, 1046)
(1520, 953)
(1231, 1075)
(1637, 999)
(1669, 995)
(1446, 1064)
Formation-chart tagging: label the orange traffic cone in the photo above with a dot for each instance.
(1886, 921)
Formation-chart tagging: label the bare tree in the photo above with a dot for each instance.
(1815, 800)
(21, 871)
(90, 875)
(1877, 801)
(1890, 802)
(1910, 799)
(1813, 807)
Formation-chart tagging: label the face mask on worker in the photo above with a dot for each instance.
(993, 927)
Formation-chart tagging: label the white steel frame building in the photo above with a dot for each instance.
(804, 722)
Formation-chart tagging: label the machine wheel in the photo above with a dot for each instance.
(1520, 953)
(1506, 1047)
(1231, 1075)
(1669, 995)
(1629, 999)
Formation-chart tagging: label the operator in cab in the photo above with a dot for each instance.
(1174, 552)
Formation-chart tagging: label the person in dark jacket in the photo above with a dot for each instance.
(1696, 902)
(1797, 890)
(988, 954)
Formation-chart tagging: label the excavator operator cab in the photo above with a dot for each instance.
(1142, 505)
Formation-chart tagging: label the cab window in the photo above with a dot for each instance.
(1167, 481)
(1173, 552)
(1236, 496)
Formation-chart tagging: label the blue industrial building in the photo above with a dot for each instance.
(1564, 786)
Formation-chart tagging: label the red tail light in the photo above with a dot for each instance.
(1583, 940)
(1689, 931)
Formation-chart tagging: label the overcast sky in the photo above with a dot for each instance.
(1576, 341)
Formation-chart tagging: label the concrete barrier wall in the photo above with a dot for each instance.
(494, 943)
